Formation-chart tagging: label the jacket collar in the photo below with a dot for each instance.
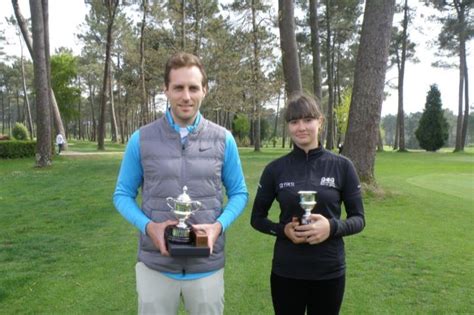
(191, 128)
(314, 153)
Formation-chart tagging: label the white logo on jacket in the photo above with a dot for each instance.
(328, 181)
(286, 184)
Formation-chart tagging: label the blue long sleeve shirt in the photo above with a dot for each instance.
(130, 179)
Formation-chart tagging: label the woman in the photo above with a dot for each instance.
(308, 270)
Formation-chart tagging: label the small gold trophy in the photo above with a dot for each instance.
(307, 202)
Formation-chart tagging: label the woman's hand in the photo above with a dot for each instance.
(315, 232)
(290, 232)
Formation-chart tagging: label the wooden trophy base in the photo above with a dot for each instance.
(196, 247)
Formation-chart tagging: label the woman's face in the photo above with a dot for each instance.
(304, 132)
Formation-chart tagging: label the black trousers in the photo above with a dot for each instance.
(295, 296)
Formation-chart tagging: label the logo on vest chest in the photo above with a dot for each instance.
(204, 149)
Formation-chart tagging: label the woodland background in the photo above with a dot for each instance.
(256, 53)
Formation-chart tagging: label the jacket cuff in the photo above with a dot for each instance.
(332, 227)
(280, 230)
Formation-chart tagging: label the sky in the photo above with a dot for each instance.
(65, 16)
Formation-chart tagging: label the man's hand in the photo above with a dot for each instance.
(316, 232)
(290, 232)
(156, 231)
(211, 230)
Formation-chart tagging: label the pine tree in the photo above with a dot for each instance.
(432, 131)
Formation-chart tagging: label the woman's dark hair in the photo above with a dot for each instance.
(302, 106)
(181, 60)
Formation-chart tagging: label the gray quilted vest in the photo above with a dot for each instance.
(169, 165)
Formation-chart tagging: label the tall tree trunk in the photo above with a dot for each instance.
(183, 24)
(255, 77)
(112, 9)
(25, 92)
(397, 133)
(145, 115)
(3, 112)
(58, 123)
(197, 27)
(119, 104)
(10, 115)
(315, 47)
(460, 140)
(20, 115)
(369, 81)
(113, 118)
(283, 133)
(289, 50)
(79, 117)
(459, 146)
(126, 125)
(23, 24)
(465, 124)
(401, 78)
(330, 82)
(379, 142)
(277, 115)
(461, 11)
(43, 144)
(93, 133)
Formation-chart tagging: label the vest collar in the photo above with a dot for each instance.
(191, 128)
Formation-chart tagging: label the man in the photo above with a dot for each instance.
(181, 149)
(60, 142)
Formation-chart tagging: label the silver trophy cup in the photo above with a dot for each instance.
(182, 207)
(307, 202)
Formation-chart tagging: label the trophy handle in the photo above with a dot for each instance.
(197, 204)
(168, 200)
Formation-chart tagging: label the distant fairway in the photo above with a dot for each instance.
(458, 185)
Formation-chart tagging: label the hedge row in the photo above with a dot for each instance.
(12, 149)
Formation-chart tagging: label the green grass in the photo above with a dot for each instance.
(87, 146)
(65, 250)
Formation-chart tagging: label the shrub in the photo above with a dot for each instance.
(19, 132)
(432, 131)
(243, 142)
(12, 149)
(241, 126)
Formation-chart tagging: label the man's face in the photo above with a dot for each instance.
(185, 94)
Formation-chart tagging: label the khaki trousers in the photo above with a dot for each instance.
(159, 294)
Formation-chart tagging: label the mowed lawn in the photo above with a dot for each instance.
(65, 250)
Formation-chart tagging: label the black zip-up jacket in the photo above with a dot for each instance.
(335, 180)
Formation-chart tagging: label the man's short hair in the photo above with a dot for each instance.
(181, 60)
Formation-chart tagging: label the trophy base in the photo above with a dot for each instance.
(191, 246)
(179, 236)
(187, 250)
